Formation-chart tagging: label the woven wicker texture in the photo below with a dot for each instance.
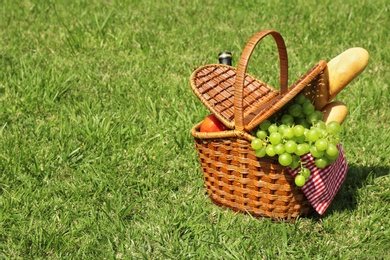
(241, 101)
(234, 177)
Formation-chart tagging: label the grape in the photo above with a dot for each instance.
(305, 172)
(295, 162)
(279, 148)
(303, 122)
(312, 135)
(288, 133)
(272, 128)
(285, 159)
(264, 125)
(287, 120)
(290, 146)
(300, 180)
(300, 99)
(301, 116)
(261, 134)
(333, 127)
(298, 130)
(295, 110)
(321, 144)
(332, 151)
(323, 132)
(261, 152)
(256, 143)
(299, 139)
(307, 147)
(321, 162)
(307, 108)
(330, 159)
(281, 128)
(313, 117)
(270, 150)
(275, 138)
(319, 114)
(302, 149)
(315, 153)
(320, 125)
(334, 140)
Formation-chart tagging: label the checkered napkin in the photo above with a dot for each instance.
(322, 185)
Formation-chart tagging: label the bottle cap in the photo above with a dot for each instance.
(225, 57)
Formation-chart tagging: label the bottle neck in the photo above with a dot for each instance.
(225, 58)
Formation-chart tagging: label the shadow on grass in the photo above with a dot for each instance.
(346, 197)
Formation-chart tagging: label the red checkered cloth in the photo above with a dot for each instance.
(322, 185)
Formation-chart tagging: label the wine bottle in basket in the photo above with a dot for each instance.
(225, 57)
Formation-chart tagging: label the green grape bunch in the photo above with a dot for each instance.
(296, 130)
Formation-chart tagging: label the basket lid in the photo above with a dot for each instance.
(241, 101)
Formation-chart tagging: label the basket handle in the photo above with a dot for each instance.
(242, 67)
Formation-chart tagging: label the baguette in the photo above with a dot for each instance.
(335, 111)
(343, 68)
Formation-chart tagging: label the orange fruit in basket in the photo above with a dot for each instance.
(212, 124)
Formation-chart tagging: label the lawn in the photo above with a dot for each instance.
(96, 156)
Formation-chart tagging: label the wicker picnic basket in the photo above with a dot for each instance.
(234, 177)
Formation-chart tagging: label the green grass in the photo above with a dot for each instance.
(96, 159)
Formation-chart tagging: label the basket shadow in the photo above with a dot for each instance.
(346, 197)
